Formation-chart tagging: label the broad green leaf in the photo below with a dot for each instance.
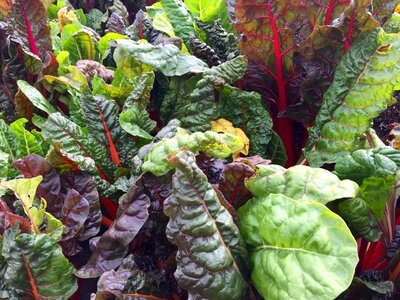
(63, 62)
(74, 78)
(358, 216)
(208, 240)
(180, 18)
(55, 227)
(299, 249)
(24, 141)
(300, 182)
(360, 164)
(113, 245)
(200, 108)
(37, 99)
(136, 57)
(77, 145)
(80, 44)
(362, 88)
(36, 267)
(25, 190)
(104, 41)
(136, 121)
(4, 164)
(161, 23)
(246, 111)
(7, 144)
(209, 11)
(375, 191)
(211, 143)
(276, 151)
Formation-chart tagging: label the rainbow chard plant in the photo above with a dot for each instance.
(199, 149)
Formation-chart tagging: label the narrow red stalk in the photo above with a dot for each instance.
(362, 255)
(110, 207)
(284, 128)
(106, 221)
(31, 39)
(329, 12)
(349, 35)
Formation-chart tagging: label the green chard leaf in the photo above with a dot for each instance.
(359, 217)
(37, 99)
(78, 146)
(208, 240)
(180, 18)
(135, 57)
(200, 108)
(363, 87)
(379, 162)
(246, 111)
(291, 239)
(36, 267)
(136, 121)
(300, 182)
(211, 143)
(80, 43)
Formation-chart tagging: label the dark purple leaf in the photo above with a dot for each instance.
(233, 187)
(212, 167)
(113, 244)
(74, 213)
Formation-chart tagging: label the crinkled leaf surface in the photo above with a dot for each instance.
(113, 244)
(300, 182)
(363, 86)
(209, 243)
(166, 58)
(299, 249)
(359, 217)
(379, 162)
(36, 267)
(211, 143)
(201, 107)
(180, 18)
(28, 20)
(246, 111)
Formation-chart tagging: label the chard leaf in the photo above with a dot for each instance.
(207, 238)
(235, 173)
(113, 244)
(292, 239)
(36, 267)
(326, 11)
(77, 145)
(24, 141)
(136, 121)
(211, 143)
(249, 115)
(104, 41)
(379, 162)
(80, 43)
(166, 58)
(201, 107)
(37, 99)
(209, 11)
(300, 182)
(28, 22)
(180, 18)
(355, 97)
(276, 151)
(358, 216)
(375, 191)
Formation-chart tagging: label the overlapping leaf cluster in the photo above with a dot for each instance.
(137, 147)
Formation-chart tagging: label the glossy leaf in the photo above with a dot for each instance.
(168, 59)
(292, 239)
(113, 244)
(180, 18)
(340, 127)
(375, 191)
(379, 162)
(211, 143)
(249, 115)
(235, 173)
(28, 22)
(326, 11)
(201, 107)
(208, 240)
(36, 267)
(358, 216)
(37, 99)
(301, 182)
(136, 121)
